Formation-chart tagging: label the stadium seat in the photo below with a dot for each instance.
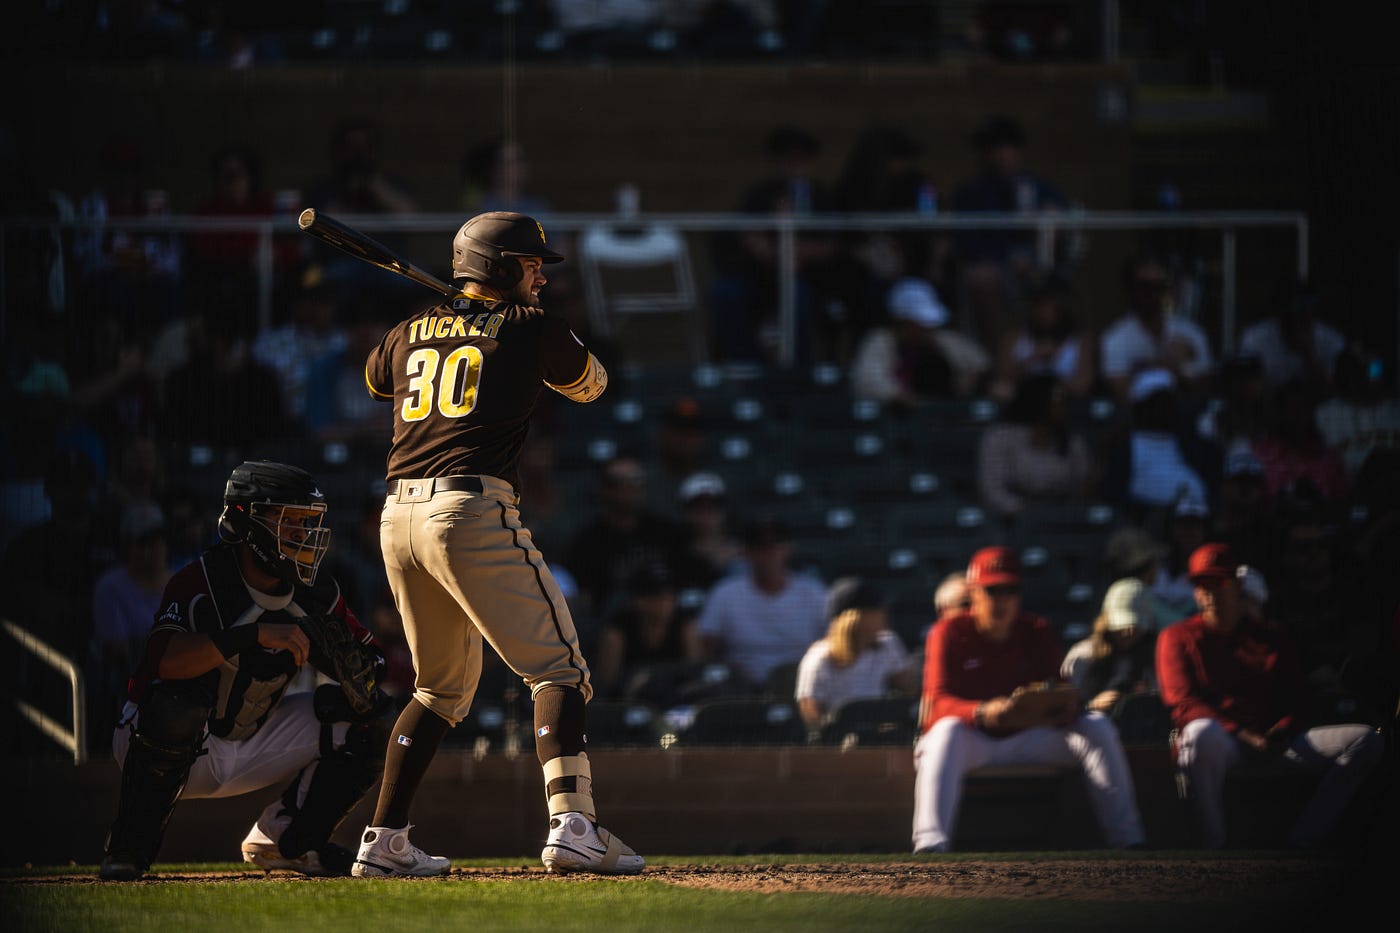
(620, 724)
(873, 721)
(743, 721)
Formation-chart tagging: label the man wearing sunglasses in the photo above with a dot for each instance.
(992, 696)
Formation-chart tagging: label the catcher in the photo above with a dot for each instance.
(208, 714)
(991, 697)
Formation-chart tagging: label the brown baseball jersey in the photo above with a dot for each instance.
(464, 377)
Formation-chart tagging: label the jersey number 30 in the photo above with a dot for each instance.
(453, 384)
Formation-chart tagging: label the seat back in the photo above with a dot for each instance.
(642, 271)
(744, 721)
(873, 721)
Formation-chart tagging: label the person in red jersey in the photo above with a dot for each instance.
(992, 697)
(1236, 693)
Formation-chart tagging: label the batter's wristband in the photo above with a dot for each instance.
(232, 641)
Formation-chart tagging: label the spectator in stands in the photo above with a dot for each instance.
(680, 448)
(1116, 659)
(125, 601)
(882, 174)
(951, 598)
(51, 568)
(1363, 413)
(622, 535)
(764, 618)
(1236, 414)
(916, 356)
(1292, 449)
(356, 183)
(1135, 552)
(337, 407)
(712, 550)
(978, 666)
(221, 397)
(998, 267)
(138, 475)
(1048, 340)
(112, 394)
(1188, 528)
(496, 177)
(1292, 342)
(134, 276)
(1244, 512)
(743, 291)
(1033, 453)
(1149, 336)
(310, 333)
(227, 259)
(1160, 460)
(859, 658)
(647, 628)
(1236, 694)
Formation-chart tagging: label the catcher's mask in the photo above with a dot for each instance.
(276, 510)
(484, 248)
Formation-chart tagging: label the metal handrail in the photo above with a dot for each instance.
(1047, 225)
(74, 741)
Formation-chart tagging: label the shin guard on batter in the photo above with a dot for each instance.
(576, 842)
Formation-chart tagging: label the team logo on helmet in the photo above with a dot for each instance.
(540, 227)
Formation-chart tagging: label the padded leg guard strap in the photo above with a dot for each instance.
(616, 849)
(581, 799)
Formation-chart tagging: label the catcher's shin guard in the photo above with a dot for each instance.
(164, 745)
(342, 777)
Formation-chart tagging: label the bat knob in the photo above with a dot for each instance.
(307, 218)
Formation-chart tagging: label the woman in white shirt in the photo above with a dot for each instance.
(860, 657)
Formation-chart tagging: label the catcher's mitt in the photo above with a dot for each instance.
(1044, 704)
(357, 666)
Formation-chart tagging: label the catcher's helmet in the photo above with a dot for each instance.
(480, 249)
(276, 510)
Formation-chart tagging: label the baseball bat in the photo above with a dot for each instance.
(362, 246)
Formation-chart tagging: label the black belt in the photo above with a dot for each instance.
(440, 484)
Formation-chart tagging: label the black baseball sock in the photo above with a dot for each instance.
(559, 730)
(412, 745)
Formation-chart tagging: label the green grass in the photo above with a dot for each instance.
(552, 905)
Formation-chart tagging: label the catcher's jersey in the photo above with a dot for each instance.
(209, 595)
(465, 376)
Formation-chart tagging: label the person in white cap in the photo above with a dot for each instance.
(916, 356)
(1116, 658)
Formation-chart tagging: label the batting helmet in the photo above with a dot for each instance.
(277, 511)
(480, 249)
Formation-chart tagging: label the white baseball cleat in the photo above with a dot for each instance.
(576, 843)
(387, 853)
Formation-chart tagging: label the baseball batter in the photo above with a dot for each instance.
(464, 377)
(978, 664)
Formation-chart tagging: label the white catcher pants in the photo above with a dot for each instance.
(287, 743)
(947, 751)
(1344, 754)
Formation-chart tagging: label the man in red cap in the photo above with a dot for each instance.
(1235, 690)
(991, 698)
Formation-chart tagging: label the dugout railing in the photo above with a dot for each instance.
(73, 738)
(1050, 227)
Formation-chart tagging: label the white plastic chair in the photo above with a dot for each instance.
(644, 269)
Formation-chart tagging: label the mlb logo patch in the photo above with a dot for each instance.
(404, 740)
(542, 731)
